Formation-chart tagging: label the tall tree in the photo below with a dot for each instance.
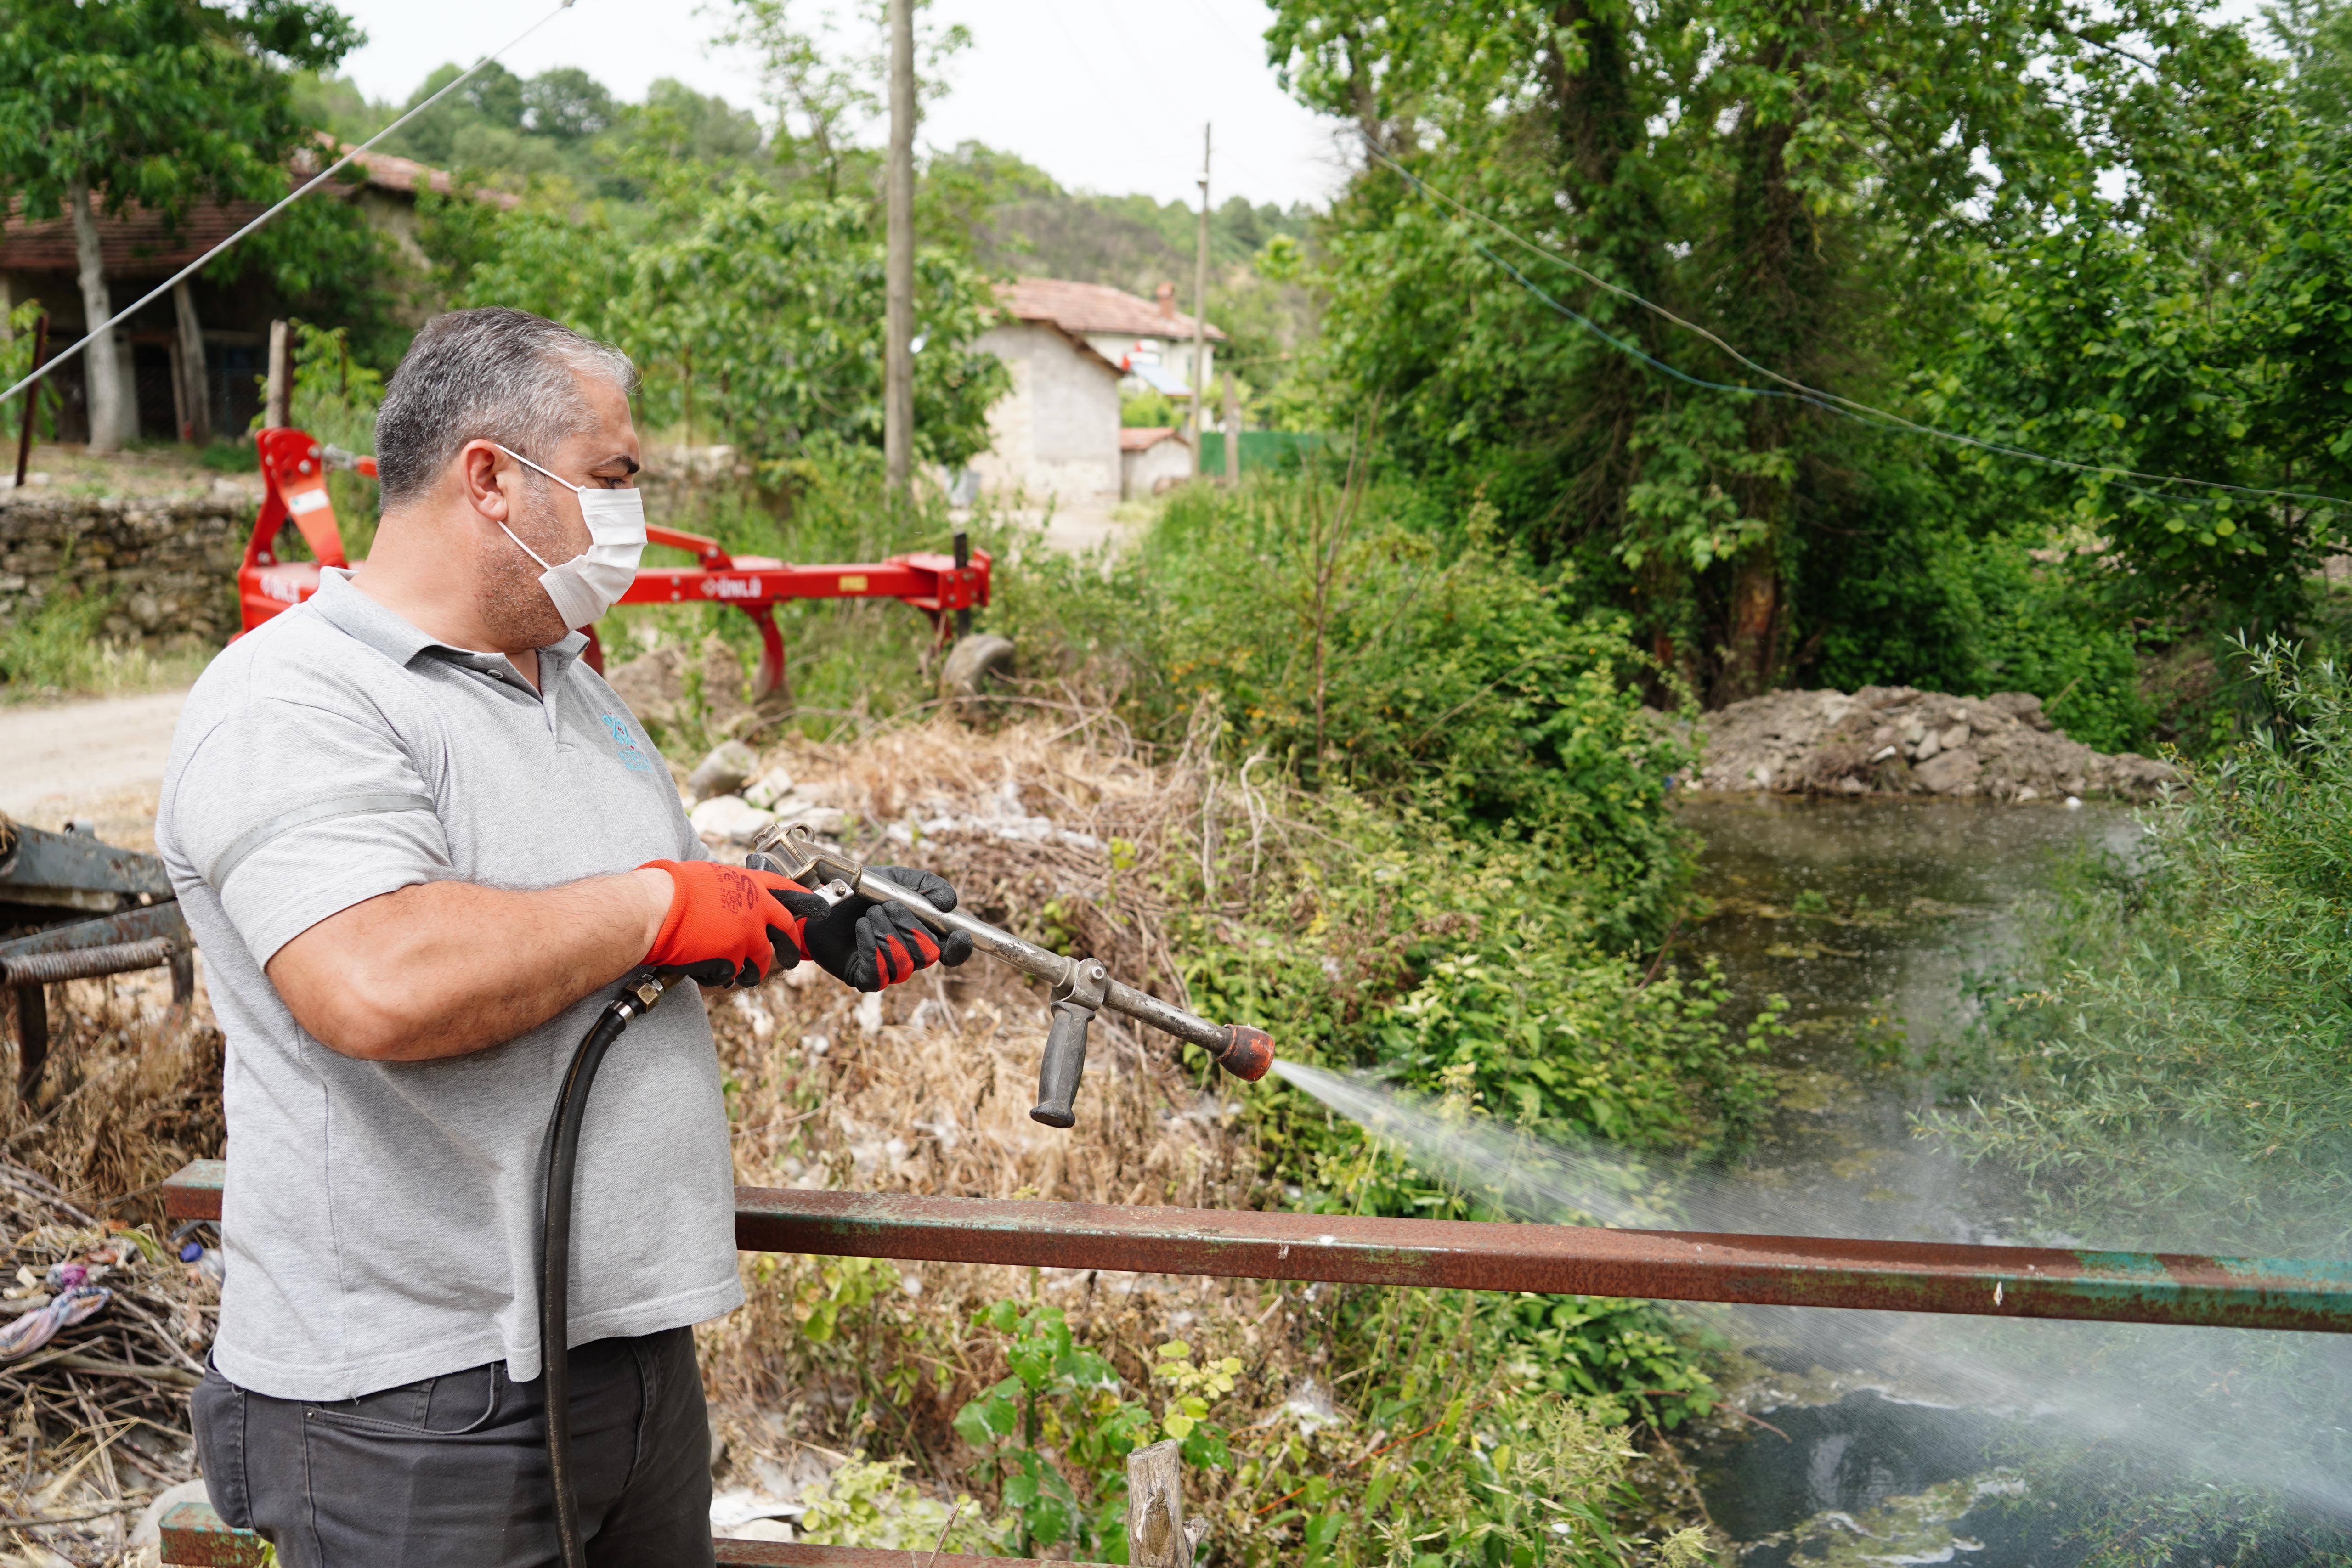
(105, 104)
(1813, 181)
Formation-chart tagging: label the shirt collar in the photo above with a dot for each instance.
(356, 615)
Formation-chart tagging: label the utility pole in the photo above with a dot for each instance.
(277, 403)
(1233, 473)
(899, 270)
(1200, 316)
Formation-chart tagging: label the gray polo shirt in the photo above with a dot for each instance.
(382, 1219)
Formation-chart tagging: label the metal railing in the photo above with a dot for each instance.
(1666, 1265)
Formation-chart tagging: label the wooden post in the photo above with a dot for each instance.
(280, 395)
(32, 398)
(1232, 475)
(1156, 1536)
(196, 423)
(179, 390)
(899, 265)
(1199, 377)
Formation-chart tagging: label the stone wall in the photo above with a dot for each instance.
(168, 563)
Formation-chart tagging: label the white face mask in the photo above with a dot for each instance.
(590, 583)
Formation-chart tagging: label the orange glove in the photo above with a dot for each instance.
(725, 924)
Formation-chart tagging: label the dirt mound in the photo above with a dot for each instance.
(1895, 740)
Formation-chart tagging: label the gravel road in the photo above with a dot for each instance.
(99, 759)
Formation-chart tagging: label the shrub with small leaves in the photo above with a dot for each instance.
(870, 1502)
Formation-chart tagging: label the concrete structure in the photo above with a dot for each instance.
(1072, 349)
(139, 250)
(1055, 436)
(1151, 458)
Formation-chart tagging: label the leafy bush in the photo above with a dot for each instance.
(1943, 611)
(870, 1502)
(335, 398)
(1465, 1451)
(1061, 1402)
(2175, 1043)
(17, 342)
(1347, 649)
(750, 312)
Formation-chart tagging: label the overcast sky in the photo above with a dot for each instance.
(1104, 95)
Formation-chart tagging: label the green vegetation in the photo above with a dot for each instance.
(1438, 851)
(1490, 1472)
(161, 103)
(756, 313)
(2172, 1053)
(1346, 646)
(2163, 1067)
(61, 650)
(2132, 261)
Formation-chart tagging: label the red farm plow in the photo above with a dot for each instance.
(294, 468)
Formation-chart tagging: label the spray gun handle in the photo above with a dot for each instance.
(1064, 1065)
(1077, 994)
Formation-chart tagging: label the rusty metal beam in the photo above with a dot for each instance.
(1668, 1265)
(194, 1536)
(156, 922)
(802, 1554)
(88, 963)
(1771, 1270)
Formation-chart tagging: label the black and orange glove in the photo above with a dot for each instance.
(868, 946)
(727, 925)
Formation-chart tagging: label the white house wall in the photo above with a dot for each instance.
(1056, 432)
(1158, 464)
(1175, 354)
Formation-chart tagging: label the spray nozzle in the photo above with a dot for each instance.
(1081, 986)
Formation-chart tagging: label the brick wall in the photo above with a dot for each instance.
(168, 563)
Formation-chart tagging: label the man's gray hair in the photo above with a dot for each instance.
(492, 374)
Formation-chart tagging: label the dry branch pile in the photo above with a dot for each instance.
(98, 1416)
(930, 1092)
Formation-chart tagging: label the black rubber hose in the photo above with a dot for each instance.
(555, 1254)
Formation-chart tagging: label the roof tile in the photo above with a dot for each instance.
(1093, 307)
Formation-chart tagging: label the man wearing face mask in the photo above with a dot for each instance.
(418, 841)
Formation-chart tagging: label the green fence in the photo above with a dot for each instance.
(1262, 450)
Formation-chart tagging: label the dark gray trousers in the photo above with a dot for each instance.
(451, 1472)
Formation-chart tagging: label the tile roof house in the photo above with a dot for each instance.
(1072, 348)
(1151, 458)
(139, 249)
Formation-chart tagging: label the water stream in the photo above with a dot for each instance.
(1897, 1437)
(1852, 1438)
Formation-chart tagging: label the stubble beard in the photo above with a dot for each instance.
(515, 608)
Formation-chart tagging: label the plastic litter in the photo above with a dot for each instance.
(75, 1304)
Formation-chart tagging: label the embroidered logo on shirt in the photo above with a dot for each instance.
(632, 757)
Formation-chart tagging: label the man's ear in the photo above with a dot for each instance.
(480, 479)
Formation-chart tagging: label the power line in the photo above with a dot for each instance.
(1829, 402)
(2113, 476)
(321, 178)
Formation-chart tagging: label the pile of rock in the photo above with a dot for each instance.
(1894, 740)
(729, 807)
